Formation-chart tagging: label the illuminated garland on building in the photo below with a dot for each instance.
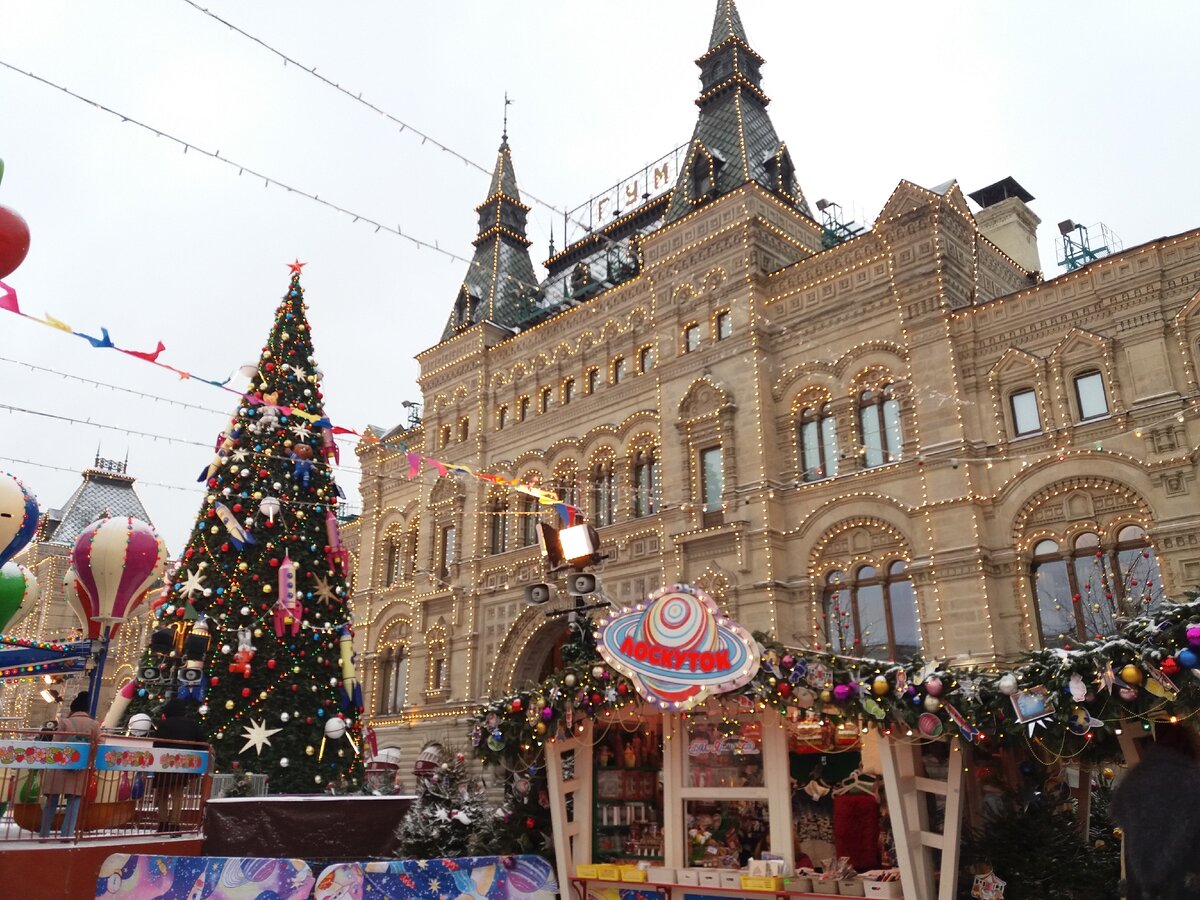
(1067, 701)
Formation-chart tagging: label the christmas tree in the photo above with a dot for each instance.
(448, 808)
(256, 617)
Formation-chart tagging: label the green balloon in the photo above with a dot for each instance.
(18, 593)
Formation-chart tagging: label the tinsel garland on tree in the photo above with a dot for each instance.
(1067, 702)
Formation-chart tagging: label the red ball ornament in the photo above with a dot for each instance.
(214, 681)
(271, 664)
(1170, 666)
(245, 692)
(225, 548)
(308, 720)
(263, 473)
(270, 367)
(529, 822)
(622, 688)
(14, 240)
(596, 699)
(295, 687)
(189, 553)
(237, 507)
(785, 689)
(516, 705)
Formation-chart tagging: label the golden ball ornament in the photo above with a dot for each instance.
(1131, 674)
(880, 686)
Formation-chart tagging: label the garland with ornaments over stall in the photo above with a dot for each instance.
(1064, 703)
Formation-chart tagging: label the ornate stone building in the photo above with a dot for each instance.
(107, 489)
(905, 440)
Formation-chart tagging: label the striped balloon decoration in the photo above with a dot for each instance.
(116, 561)
(18, 594)
(18, 517)
(74, 596)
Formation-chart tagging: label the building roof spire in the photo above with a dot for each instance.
(734, 141)
(500, 285)
(727, 24)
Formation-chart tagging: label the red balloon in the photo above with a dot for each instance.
(14, 240)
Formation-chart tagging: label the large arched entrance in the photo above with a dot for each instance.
(532, 650)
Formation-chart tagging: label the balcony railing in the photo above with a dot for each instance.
(129, 786)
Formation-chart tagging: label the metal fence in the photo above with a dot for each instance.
(118, 787)
(247, 785)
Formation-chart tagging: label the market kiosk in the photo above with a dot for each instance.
(698, 790)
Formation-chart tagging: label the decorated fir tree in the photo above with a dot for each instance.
(256, 615)
(448, 809)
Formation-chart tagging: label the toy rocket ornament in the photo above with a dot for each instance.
(238, 535)
(335, 551)
(288, 609)
(329, 446)
(351, 689)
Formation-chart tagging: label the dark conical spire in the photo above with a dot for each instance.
(500, 285)
(734, 141)
(726, 25)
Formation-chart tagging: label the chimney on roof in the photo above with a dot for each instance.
(1008, 222)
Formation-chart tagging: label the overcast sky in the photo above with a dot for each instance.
(1089, 105)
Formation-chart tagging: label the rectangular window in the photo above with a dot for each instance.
(645, 359)
(544, 399)
(448, 549)
(724, 325)
(1089, 391)
(1025, 413)
(618, 370)
(590, 379)
(712, 475)
(691, 338)
(439, 672)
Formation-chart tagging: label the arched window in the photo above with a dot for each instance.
(618, 370)
(645, 482)
(879, 421)
(544, 399)
(723, 325)
(437, 674)
(464, 429)
(522, 408)
(691, 337)
(566, 483)
(392, 684)
(604, 493)
(645, 359)
(497, 513)
(412, 544)
(527, 519)
(1081, 593)
(568, 391)
(391, 560)
(444, 436)
(818, 443)
(1136, 568)
(874, 614)
(501, 417)
(591, 378)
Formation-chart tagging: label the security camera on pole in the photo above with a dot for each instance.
(571, 549)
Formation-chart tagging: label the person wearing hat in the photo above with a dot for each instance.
(77, 725)
(169, 787)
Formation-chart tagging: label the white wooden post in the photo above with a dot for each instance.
(907, 786)
(573, 832)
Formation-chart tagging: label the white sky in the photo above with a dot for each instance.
(1089, 105)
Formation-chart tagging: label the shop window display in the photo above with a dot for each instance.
(627, 825)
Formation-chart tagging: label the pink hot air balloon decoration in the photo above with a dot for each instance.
(75, 597)
(116, 561)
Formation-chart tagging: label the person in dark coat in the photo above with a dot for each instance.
(69, 783)
(169, 787)
(1155, 805)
